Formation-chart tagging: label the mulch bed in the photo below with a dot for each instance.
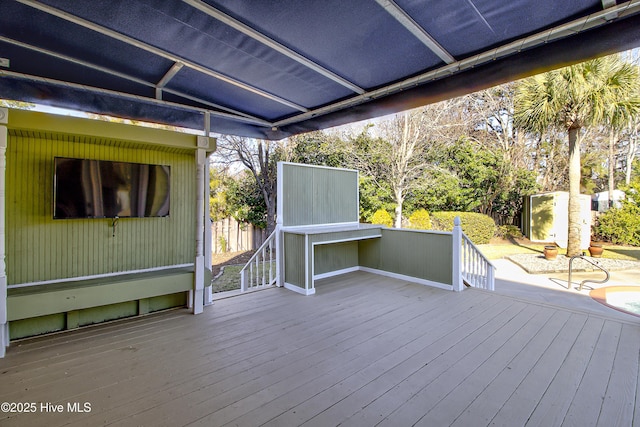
(537, 264)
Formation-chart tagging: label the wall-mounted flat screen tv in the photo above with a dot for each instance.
(104, 189)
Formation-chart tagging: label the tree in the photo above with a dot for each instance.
(632, 146)
(260, 159)
(317, 148)
(621, 114)
(244, 200)
(571, 98)
(218, 183)
(398, 159)
(405, 134)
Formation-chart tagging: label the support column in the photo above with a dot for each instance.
(456, 262)
(198, 285)
(208, 292)
(4, 325)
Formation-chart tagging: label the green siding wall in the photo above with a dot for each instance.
(422, 255)
(335, 256)
(316, 195)
(40, 248)
(294, 254)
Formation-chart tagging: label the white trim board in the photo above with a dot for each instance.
(407, 278)
(299, 290)
(335, 273)
(99, 276)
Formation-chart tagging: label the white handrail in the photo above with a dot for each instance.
(474, 268)
(261, 268)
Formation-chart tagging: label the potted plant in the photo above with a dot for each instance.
(550, 252)
(596, 249)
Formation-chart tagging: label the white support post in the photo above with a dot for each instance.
(208, 239)
(4, 325)
(279, 243)
(198, 285)
(208, 290)
(279, 258)
(455, 259)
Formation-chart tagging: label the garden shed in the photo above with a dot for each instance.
(545, 217)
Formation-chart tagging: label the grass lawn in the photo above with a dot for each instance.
(230, 279)
(506, 248)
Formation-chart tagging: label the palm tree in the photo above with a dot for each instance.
(593, 92)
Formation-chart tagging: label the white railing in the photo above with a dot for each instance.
(474, 269)
(261, 269)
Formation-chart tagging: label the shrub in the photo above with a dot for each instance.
(509, 231)
(621, 225)
(420, 220)
(382, 217)
(478, 227)
(223, 244)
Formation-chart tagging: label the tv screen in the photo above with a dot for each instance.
(104, 189)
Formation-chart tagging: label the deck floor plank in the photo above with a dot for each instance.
(554, 404)
(365, 350)
(524, 398)
(254, 376)
(315, 396)
(452, 348)
(488, 403)
(297, 371)
(618, 403)
(467, 378)
(593, 386)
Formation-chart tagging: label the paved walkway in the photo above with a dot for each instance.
(551, 288)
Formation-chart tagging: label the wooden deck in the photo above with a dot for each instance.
(364, 351)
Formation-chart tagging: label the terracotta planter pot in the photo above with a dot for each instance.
(595, 250)
(550, 252)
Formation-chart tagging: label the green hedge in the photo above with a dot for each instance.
(420, 220)
(478, 227)
(621, 225)
(382, 217)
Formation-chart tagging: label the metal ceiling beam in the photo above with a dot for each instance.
(156, 51)
(407, 21)
(170, 74)
(607, 4)
(256, 35)
(571, 28)
(167, 78)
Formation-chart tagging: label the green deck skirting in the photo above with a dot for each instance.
(58, 322)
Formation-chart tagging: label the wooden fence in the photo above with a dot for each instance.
(229, 235)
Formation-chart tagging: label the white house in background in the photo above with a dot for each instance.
(600, 201)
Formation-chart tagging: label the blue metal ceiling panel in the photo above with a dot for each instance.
(195, 84)
(39, 64)
(492, 23)
(50, 33)
(271, 68)
(187, 33)
(356, 39)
